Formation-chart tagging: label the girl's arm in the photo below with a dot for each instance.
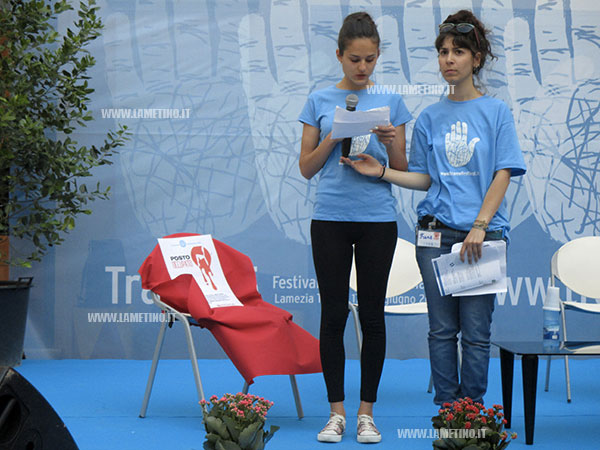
(493, 198)
(367, 165)
(312, 154)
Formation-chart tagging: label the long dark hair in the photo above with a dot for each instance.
(357, 25)
(476, 40)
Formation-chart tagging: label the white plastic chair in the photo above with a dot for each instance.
(172, 315)
(577, 266)
(404, 276)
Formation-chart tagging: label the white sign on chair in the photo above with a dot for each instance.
(197, 256)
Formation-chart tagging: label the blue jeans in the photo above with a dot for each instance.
(471, 316)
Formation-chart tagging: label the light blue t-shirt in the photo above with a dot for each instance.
(344, 195)
(461, 145)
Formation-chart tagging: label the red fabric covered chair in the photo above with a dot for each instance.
(259, 338)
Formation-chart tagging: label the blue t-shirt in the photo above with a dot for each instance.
(344, 195)
(461, 145)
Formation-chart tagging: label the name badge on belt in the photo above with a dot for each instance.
(429, 238)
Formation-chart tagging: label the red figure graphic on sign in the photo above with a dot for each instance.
(202, 259)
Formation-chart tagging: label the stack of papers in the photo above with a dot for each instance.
(486, 276)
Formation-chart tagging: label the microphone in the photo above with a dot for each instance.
(351, 102)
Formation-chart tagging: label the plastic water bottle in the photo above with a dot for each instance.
(551, 317)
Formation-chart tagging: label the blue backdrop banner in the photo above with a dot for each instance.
(211, 91)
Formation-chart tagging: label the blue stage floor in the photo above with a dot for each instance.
(99, 401)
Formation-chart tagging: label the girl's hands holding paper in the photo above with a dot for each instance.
(385, 133)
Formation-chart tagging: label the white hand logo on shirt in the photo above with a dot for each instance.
(359, 144)
(457, 150)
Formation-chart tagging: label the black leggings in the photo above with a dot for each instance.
(332, 246)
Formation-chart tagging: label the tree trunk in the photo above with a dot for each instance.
(4, 272)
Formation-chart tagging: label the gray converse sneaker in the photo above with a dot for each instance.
(366, 431)
(334, 429)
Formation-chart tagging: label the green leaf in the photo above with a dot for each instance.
(440, 444)
(227, 445)
(70, 223)
(231, 427)
(216, 425)
(212, 437)
(269, 434)
(248, 434)
(458, 442)
(258, 443)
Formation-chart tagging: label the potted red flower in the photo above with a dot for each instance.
(469, 425)
(236, 422)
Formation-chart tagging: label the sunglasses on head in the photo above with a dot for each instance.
(460, 27)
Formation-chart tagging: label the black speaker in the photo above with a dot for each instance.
(27, 421)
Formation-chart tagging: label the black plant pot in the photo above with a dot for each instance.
(14, 297)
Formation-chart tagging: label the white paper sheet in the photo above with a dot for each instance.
(496, 287)
(456, 277)
(197, 256)
(357, 123)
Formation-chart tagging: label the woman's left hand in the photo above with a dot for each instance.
(385, 133)
(472, 245)
(364, 164)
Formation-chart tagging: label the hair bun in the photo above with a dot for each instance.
(357, 25)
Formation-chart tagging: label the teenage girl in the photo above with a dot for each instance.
(353, 215)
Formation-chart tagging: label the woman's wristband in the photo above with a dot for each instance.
(382, 173)
(480, 225)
